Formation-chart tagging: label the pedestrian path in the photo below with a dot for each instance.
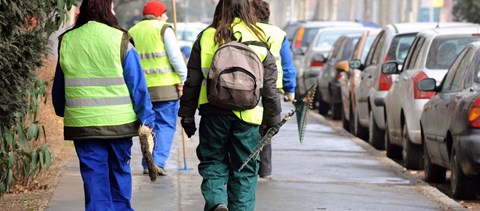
(328, 171)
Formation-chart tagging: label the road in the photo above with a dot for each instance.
(330, 170)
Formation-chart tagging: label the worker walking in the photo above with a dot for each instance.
(286, 80)
(165, 71)
(228, 137)
(100, 91)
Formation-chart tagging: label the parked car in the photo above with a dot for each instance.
(432, 52)
(392, 43)
(450, 125)
(351, 77)
(303, 35)
(328, 89)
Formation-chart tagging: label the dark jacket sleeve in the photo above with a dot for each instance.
(191, 88)
(270, 97)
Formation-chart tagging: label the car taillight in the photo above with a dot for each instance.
(317, 61)
(298, 39)
(385, 82)
(417, 94)
(474, 113)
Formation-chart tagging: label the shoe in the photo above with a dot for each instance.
(266, 177)
(145, 171)
(221, 207)
(161, 171)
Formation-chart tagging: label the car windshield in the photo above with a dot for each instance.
(444, 50)
(308, 36)
(328, 38)
(399, 47)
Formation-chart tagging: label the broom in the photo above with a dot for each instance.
(145, 135)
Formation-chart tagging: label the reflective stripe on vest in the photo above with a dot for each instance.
(208, 49)
(95, 91)
(276, 37)
(160, 76)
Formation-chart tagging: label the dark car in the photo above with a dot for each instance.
(328, 85)
(450, 125)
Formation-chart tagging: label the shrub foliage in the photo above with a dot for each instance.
(25, 26)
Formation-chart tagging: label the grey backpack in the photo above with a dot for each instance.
(235, 77)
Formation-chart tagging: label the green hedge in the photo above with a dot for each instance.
(25, 26)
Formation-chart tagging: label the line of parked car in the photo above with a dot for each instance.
(412, 89)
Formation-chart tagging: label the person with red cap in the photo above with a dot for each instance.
(165, 71)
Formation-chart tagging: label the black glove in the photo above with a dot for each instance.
(188, 124)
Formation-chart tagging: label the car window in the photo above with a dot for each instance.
(399, 47)
(372, 50)
(308, 36)
(412, 54)
(378, 50)
(290, 30)
(348, 48)
(445, 49)
(461, 71)
(366, 47)
(447, 80)
(327, 38)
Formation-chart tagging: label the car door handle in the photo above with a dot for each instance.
(405, 78)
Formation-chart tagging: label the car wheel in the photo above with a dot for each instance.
(412, 154)
(392, 151)
(355, 127)
(462, 186)
(376, 135)
(322, 105)
(345, 122)
(433, 173)
(336, 108)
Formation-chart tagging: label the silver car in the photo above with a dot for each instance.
(391, 44)
(432, 52)
(303, 36)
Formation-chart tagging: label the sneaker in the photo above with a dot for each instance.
(266, 177)
(161, 171)
(221, 207)
(145, 171)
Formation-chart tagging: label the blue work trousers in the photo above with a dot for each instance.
(165, 125)
(106, 174)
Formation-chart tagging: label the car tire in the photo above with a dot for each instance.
(412, 154)
(355, 127)
(376, 135)
(322, 105)
(336, 108)
(392, 151)
(433, 173)
(463, 187)
(345, 122)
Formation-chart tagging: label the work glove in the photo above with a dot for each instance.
(264, 129)
(288, 97)
(188, 124)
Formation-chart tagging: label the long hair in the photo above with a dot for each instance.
(262, 10)
(97, 10)
(225, 13)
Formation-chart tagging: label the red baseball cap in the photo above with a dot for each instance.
(155, 8)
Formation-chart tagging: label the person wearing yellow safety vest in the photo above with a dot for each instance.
(99, 89)
(228, 137)
(165, 72)
(286, 81)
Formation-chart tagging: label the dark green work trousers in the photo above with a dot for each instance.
(225, 142)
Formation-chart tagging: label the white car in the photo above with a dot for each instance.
(430, 56)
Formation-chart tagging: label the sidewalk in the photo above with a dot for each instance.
(329, 171)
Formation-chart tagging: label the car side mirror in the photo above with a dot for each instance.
(427, 84)
(390, 68)
(343, 66)
(299, 51)
(355, 64)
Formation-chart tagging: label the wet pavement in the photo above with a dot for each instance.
(330, 170)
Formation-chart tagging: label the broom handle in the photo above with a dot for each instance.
(184, 140)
